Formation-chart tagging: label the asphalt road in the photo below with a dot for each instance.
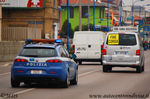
(121, 83)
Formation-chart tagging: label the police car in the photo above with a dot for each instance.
(44, 61)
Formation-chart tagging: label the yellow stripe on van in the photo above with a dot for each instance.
(113, 39)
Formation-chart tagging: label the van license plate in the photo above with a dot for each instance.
(121, 52)
(36, 71)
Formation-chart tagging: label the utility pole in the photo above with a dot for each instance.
(132, 12)
(80, 16)
(68, 25)
(94, 15)
(59, 5)
(88, 15)
(120, 12)
(144, 25)
(107, 15)
(139, 20)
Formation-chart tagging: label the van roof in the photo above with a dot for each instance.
(121, 32)
(89, 31)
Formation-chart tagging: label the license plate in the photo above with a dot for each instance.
(121, 52)
(36, 71)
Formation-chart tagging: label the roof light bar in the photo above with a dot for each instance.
(28, 41)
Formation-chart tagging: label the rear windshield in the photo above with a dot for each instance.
(38, 52)
(121, 39)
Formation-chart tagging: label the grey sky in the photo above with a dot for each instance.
(129, 2)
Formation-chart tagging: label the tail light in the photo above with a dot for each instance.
(138, 52)
(103, 52)
(20, 71)
(54, 61)
(73, 48)
(21, 60)
(102, 46)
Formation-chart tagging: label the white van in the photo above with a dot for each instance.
(87, 45)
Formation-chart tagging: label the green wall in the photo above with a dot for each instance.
(75, 21)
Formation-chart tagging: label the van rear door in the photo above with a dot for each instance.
(123, 50)
(94, 45)
(80, 42)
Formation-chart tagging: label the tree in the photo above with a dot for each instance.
(63, 32)
(85, 28)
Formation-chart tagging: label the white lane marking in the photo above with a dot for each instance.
(23, 91)
(6, 65)
(86, 73)
(27, 90)
(5, 74)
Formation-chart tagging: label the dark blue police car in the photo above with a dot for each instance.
(44, 61)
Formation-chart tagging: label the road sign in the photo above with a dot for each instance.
(126, 28)
(113, 39)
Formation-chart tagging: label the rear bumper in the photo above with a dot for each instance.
(126, 61)
(37, 79)
(122, 64)
(26, 75)
(89, 60)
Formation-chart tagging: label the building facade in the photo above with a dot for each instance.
(36, 14)
(100, 19)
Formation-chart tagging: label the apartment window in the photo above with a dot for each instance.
(71, 12)
(54, 3)
(84, 11)
(100, 12)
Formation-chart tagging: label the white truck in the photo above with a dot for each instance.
(87, 45)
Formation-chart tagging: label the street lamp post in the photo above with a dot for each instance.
(139, 20)
(107, 15)
(88, 15)
(94, 15)
(120, 12)
(68, 25)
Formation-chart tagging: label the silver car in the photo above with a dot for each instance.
(123, 50)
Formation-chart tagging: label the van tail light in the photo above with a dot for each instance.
(73, 48)
(21, 60)
(103, 52)
(138, 52)
(54, 61)
(102, 46)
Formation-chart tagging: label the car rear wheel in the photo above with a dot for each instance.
(75, 80)
(107, 68)
(80, 62)
(101, 62)
(14, 83)
(66, 83)
(139, 69)
(143, 68)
